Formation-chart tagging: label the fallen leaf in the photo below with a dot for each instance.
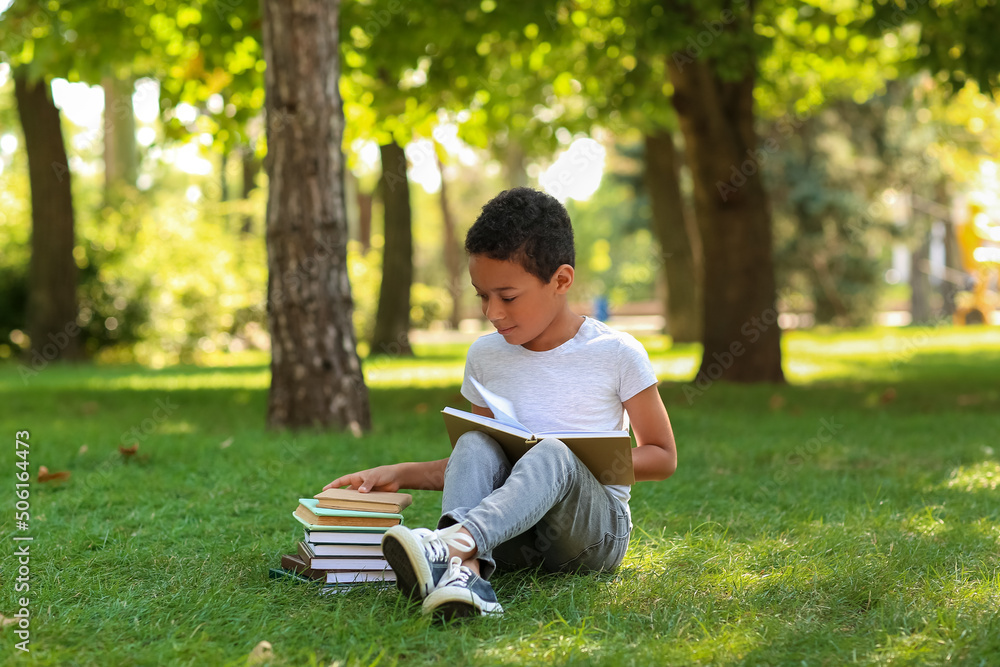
(128, 452)
(225, 443)
(420, 408)
(777, 402)
(45, 476)
(83, 449)
(4, 621)
(262, 652)
(888, 396)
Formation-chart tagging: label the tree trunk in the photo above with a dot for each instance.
(52, 305)
(949, 288)
(121, 162)
(681, 267)
(250, 166)
(920, 283)
(392, 320)
(452, 257)
(364, 200)
(517, 174)
(741, 337)
(316, 377)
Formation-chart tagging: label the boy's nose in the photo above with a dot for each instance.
(493, 313)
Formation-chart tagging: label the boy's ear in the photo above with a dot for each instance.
(563, 278)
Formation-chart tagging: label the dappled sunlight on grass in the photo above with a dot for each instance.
(393, 374)
(676, 369)
(982, 475)
(240, 378)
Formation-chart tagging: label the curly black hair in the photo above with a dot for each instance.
(525, 226)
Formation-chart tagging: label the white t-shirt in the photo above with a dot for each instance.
(578, 386)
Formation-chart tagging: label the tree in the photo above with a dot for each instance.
(316, 377)
(392, 320)
(52, 306)
(741, 337)
(121, 160)
(680, 243)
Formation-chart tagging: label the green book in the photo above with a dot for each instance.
(313, 515)
(314, 507)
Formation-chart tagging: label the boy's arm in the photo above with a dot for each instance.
(427, 475)
(655, 456)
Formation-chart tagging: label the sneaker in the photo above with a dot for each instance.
(460, 593)
(419, 557)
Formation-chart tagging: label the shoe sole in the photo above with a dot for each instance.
(447, 605)
(406, 556)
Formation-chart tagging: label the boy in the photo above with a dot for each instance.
(561, 371)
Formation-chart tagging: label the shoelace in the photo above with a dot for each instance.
(456, 573)
(438, 541)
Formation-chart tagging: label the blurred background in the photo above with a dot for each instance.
(874, 137)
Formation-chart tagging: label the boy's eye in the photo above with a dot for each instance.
(508, 299)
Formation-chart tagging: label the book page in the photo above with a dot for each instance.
(503, 410)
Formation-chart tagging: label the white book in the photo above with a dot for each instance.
(360, 550)
(332, 537)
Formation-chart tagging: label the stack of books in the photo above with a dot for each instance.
(342, 544)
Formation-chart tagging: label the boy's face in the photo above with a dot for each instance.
(518, 304)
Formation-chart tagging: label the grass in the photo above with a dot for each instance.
(773, 544)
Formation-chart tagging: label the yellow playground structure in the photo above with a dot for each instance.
(978, 237)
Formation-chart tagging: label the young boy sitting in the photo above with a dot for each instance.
(561, 371)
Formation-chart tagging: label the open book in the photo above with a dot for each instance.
(607, 454)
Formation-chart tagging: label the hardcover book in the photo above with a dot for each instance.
(607, 454)
(373, 501)
(313, 528)
(315, 562)
(309, 511)
(341, 536)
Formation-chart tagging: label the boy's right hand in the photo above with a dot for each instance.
(382, 478)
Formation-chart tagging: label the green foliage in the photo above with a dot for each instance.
(168, 280)
(427, 302)
(876, 546)
(957, 38)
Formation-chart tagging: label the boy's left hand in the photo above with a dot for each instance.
(382, 478)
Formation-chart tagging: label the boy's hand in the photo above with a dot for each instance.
(382, 478)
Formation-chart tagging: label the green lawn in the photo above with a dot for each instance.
(773, 543)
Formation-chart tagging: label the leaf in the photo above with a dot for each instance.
(128, 452)
(225, 443)
(261, 653)
(83, 450)
(888, 396)
(45, 476)
(4, 621)
(777, 402)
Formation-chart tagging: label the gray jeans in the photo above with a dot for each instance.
(547, 509)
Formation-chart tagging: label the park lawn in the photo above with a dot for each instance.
(851, 516)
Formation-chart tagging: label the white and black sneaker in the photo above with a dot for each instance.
(461, 593)
(419, 557)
